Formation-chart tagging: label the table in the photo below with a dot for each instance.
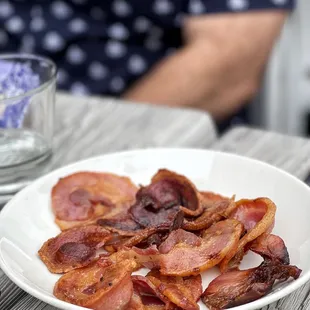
(92, 126)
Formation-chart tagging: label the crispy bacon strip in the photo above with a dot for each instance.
(146, 296)
(73, 248)
(156, 291)
(185, 259)
(182, 292)
(179, 236)
(217, 241)
(82, 197)
(257, 216)
(208, 199)
(125, 226)
(100, 284)
(160, 202)
(121, 224)
(145, 302)
(271, 247)
(214, 213)
(238, 287)
(145, 235)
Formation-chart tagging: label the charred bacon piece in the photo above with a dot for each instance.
(271, 247)
(73, 248)
(238, 287)
(160, 202)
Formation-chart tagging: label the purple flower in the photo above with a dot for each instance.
(15, 79)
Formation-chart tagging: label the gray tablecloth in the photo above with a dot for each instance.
(92, 126)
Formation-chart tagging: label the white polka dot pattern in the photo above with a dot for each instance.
(62, 76)
(118, 31)
(37, 24)
(115, 49)
(61, 10)
(78, 25)
(15, 24)
(121, 8)
(78, 88)
(163, 7)
(141, 24)
(238, 5)
(136, 64)
(97, 71)
(279, 2)
(53, 42)
(75, 55)
(6, 9)
(117, 84)
(196, 7)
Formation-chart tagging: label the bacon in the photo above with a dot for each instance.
(148, 257)
(127, 227)
(214, 213)
(160, 202)
(100, 284)
(146, 296)
(271, 247)
(185, 259)
(208, 199)
(178, 236)
(190, 198)
(145, 287)
(251, 212)
(257, 216)
(138, 302)
(144, 237)
(217, 241)
(73, 248)
(182, 292)
(238, 287)
(123, 226)
(156, 291)
(82, 197)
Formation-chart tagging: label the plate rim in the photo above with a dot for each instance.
(275, 296)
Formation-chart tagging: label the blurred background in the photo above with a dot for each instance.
(282, 103)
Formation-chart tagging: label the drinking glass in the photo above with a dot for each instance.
(27, 100)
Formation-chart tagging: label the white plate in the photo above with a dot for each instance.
(27, 220)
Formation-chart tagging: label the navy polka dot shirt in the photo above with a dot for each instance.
(102, 47)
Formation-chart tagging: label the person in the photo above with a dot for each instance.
(205, 54)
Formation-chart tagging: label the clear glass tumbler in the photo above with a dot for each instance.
(27, 100)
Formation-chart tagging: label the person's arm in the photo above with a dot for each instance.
(220, 66)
